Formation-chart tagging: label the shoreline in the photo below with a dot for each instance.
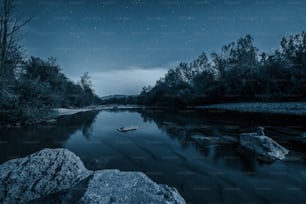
(284, 108)
(71, 111)
(288, 108)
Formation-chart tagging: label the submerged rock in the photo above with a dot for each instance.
(126, 129)
(214, 139)
(52, 172)
(264, 147)
(204, 139)
(114, 186)
(51, 121)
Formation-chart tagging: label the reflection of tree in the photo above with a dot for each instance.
(182, 125)
(81, 121)
(20, 142)
(188, 123)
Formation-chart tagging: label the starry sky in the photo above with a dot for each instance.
(126, 44)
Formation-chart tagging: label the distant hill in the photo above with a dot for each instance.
(116, 96)
(119, 99)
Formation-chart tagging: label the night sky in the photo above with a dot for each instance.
(125, 45)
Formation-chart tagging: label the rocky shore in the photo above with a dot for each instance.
(58, 174)
(287, 108)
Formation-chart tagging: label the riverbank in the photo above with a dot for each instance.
(286, 108)
(291, 108)
(70, 111)
(50, 116)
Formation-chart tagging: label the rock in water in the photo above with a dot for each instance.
(263, 146)
(114, 186)
(55, 171)
(40, 174)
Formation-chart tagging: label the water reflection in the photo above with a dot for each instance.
(19, 142)
(163, 147)
(183, 125)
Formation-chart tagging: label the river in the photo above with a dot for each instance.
(162, 147)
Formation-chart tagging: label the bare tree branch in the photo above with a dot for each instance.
(10, 51)
(17, 26)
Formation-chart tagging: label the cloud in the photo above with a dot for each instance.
(128, 81)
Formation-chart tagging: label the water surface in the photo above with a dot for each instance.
(163, 148)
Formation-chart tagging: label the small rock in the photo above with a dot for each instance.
(264, 147)
(50, 121)
(198, 137)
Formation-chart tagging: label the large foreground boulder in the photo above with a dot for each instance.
(42, 173)
(52, 172)
(264, 147)
(114, 186)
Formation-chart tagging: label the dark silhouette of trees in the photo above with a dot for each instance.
(239, 72)
(10, 27)
(29, 88)
(10, 58)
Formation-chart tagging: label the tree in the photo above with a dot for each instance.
(238, 73)
(145, 90)
(10, 57)
(28, 95)
(246, 51)
(10, 50)
(88, 97)
(86, 82)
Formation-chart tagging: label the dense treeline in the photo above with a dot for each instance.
(39, 86)
(120, 99)
(239, 72)
(30, 87)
